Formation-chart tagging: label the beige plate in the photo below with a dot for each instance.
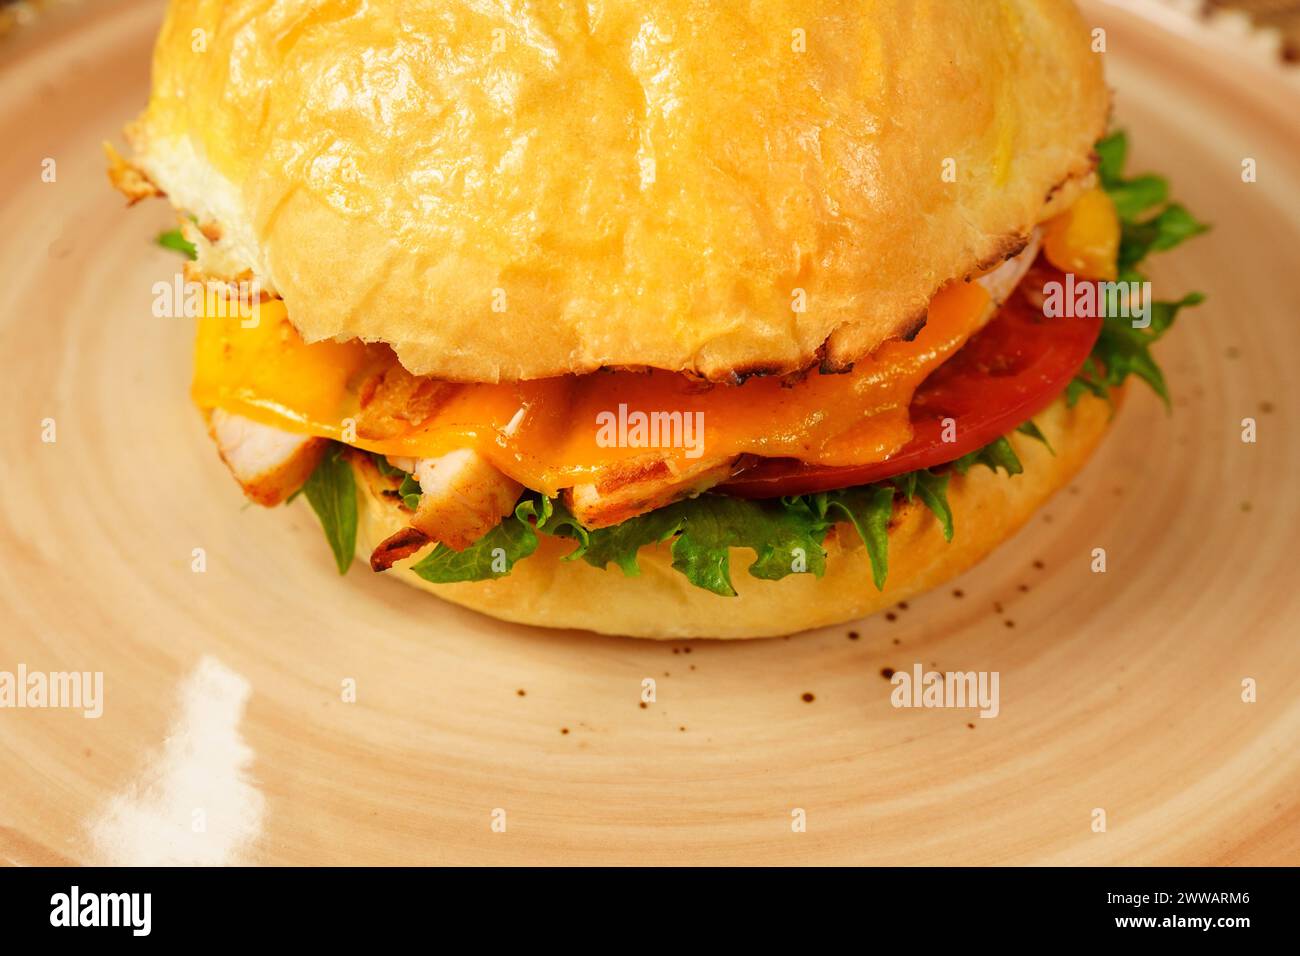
(224, 735)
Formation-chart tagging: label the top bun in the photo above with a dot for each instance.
(510, 191)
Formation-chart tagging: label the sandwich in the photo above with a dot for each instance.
(673, 320)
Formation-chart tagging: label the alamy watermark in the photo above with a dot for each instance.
(954, 689)
(74, 908)
(67, 690)
(1094, 299)
(637, 429)
(189, 299)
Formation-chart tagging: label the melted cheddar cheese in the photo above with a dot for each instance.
(1085, 239)
(545, 434)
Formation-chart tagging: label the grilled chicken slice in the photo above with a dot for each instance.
(268, 463)
(394, 400)
(464, 497)
(633, 489)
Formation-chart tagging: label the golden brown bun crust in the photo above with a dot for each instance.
(660, 603)
(627, 183)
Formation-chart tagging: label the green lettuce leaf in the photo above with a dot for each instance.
(175, 240)
(786, 538)
(782, 538)
(410, 491)
(1135, 196)
(868, 509)
(1122, 350)
(332, 492)
(932, 489)
(1033, 431)
(996, 454)
(1166, 230)
(786, 535)
(1112, 156)
(385, 469)
(620, 543)
(492, 556)
(550, 516)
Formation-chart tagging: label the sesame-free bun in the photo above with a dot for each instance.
(506, 191)
(660, 603)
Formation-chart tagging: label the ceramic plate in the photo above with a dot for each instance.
(227, 734)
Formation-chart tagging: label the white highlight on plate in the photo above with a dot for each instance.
(194, 805)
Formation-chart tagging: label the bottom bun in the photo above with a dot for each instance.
(660, 603)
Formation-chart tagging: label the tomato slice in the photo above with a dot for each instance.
(1009, 371)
